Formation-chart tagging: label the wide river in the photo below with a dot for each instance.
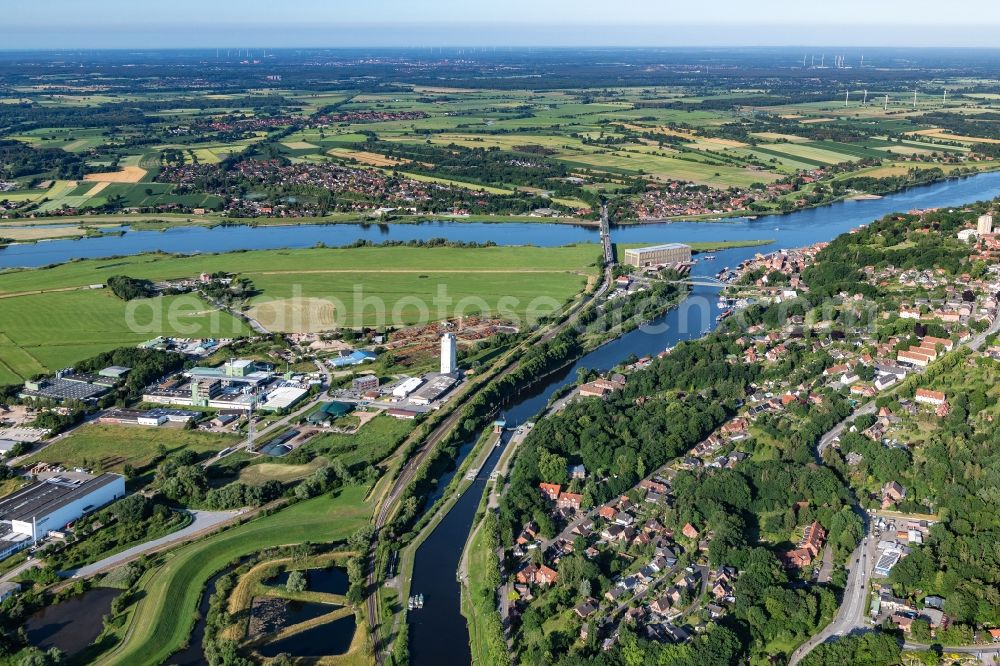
(789, 230)
(438, 632)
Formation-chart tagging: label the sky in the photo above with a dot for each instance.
(44, 24)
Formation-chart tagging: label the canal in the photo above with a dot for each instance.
(437, 559)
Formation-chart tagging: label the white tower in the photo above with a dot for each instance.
(449, 345)
(984, 225)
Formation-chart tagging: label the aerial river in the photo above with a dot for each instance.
(792, 230)
(438, 632)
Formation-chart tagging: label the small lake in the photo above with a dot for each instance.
(73, 624)
(320, 641)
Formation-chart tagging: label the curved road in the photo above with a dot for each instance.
(204, 521)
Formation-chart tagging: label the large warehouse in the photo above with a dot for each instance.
(51, 504)
(658, 255)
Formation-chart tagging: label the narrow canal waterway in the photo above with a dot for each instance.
(438, 633)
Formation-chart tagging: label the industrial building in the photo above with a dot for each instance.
(151, 417)
(449, 354)
(407, 386)
(51, 504)
(658, 255)
(356, 357)
(329, 412)
(86, 388)
(434, 389)
(284, 397)
(364, 383)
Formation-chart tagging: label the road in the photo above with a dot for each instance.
(19, 569)
(986, 654)
(204, 521)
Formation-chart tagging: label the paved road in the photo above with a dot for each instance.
(986, 654)
(204, 521)
(19, 569)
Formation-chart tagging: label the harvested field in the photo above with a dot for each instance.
(365, 157)
(129, 174)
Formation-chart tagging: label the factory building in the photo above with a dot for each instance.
(658, 255)
(407, 386)
(449, 353)
(51, 504)
(433, 390)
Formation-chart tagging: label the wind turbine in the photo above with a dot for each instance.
(945, 100)
(886, 108)
(847, 98)
(864, 102)
(914, 98)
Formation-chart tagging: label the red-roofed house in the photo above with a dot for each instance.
(929, 397)
(550, 490)
(546, 575)
(569, 501)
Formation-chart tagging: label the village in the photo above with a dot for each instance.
(660, 581)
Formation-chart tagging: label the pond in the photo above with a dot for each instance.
(73, 624)
(320, 641)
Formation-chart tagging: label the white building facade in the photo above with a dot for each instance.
(449, 354)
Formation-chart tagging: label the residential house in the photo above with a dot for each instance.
(928, 397)
(569, 501)
(550, 490)
(892, 493)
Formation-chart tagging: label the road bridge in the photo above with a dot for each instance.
(609, 249)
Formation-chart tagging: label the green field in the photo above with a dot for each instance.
(48, 331)
(165, 615)
(376, 440)
(402, 282)
(108, 448)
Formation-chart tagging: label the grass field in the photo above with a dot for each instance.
(164, 617)
(376, 440)
(51, 330)
(108, 448)
(351, 285)
(260, 474)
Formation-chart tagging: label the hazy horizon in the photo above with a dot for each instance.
(59, 24)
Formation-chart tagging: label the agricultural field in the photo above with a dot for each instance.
(299, 289)
(476, 150)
